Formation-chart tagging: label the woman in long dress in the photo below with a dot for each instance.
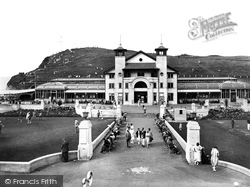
(214, 157)
(147, 137)
(132, 132)
(197, 153)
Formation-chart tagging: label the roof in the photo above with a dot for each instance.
(3, 92)
(132, 56)
(51, 86)
(140, 66)
(213, 86)
(77, 79)
(206, 78)
(161, 47)
(235, 85)
(200, 86)
(120, 48)
(176, 71)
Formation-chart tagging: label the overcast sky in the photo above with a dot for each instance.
(33, 29)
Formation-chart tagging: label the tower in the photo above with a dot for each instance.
(120, 61)
(161, 63)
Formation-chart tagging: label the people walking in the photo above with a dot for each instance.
(128, 137)
(98, 114)
(76, 126)
(138, 136)
(132, 132)
(20, 116)
(151, 136)
(28, 117)
(144, 110)
(214, 157)
(139, 102)
(1, 126)
(65, 150)
(232, 122)
(197, 153)
(40, 115)
(147, 138)
(101, 115)
(143, 137)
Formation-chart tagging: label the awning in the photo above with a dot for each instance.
(85, 91)
(198, 91)
(3, 92)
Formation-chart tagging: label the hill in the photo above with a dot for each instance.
(93, 62)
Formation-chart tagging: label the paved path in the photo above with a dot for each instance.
(142, 167)
(137, 166)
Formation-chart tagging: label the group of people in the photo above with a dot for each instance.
(29, 116)
(201, 157)
(142, 136)
(168, 139)
(108, 141)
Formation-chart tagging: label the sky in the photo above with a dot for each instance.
(31, 30)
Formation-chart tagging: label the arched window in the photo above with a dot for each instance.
(140, 85)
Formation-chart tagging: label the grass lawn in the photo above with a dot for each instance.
(234, 145)
(22, 142)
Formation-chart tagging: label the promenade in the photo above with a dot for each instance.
(142, 167)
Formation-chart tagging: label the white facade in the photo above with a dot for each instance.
(141, 77)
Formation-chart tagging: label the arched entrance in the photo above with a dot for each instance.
(141, 92)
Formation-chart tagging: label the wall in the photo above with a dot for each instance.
(222, 163)
(27, 167)
(177, 136)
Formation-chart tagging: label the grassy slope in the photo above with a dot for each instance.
(22, 142)
(92, 62)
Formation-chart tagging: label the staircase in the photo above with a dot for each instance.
(140, 115)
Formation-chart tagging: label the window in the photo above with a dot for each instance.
(140, 74)
(126, 96)
(127, 74)
(181, 111)
(225, 93)
(154, 85)
(155, 96)
(112, 75)
(153, 74)
(111, 97)
(120, 85)
(111, 85)
(126, 85)
(170, 75)
(170, 96)
(170, 85)
(161, 85)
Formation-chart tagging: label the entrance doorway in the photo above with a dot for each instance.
(233, 96)
(141, 95)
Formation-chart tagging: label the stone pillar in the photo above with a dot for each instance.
(180, 114)
(193, 108)
(162, 110)
(118, 111)
(85, 147)
(193, 136)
